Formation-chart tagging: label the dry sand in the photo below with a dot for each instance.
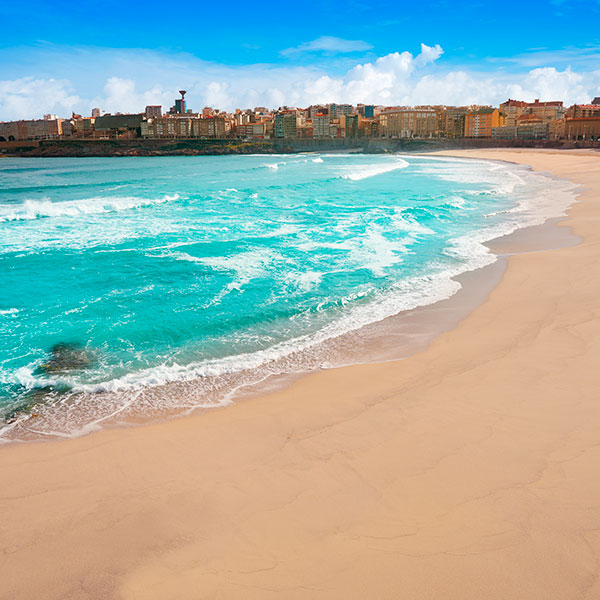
(468, 471)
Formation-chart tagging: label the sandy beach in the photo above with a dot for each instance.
(467, 471)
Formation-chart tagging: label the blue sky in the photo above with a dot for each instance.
(60, 56)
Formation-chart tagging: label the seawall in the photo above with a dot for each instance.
(199, 147)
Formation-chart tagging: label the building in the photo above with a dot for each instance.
(350, 124)
(36, 129)
(251, 130)
(512, 110)
(317, 109)
(179, 108)
(583, 110)
(167, 127)
(339, 110)
(408, 122)
(82, 126)
(479, 123)
(118, 123)
(321, 124)
(582, 128)
(454, 121)
(534, 130)
(286, 125)
(214, 127)
(548, 111)
(153, 112)
(95, 112)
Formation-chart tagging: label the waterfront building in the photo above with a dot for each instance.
(153, 112)
(582, 128)
(116, 124)
(167, 127)
(454, 121)
(321, 124)
(512, 110)
(578, 111)
(350, 124)
(317, 109)
(251, 130)
(286, 124)
(369, 128)
(217, 126)
(339, 110)
(83, 126)
(36, 129)
(479, 123)
(408, 122)
(547, 111)
(525, 130)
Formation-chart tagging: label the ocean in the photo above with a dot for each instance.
(132, 288)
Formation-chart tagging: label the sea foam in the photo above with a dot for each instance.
(35, 209)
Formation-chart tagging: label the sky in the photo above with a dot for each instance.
(59, 57)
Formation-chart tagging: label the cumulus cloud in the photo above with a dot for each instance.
(27, 96)
(128, 80)
(330, 44)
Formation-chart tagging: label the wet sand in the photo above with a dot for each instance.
(467, 471)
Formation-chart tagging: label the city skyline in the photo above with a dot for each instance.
(126, 57)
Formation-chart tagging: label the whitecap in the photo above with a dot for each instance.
(35, 209)
(365, 171)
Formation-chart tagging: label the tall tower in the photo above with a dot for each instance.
(180, 103)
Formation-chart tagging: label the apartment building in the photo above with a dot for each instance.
(582, 128)
(286, 125)
(37, 129)
(578, 111)
(408, 122)
(167, 127)
(217, 126)
(339, 110)
(321, 124)
(479, 123)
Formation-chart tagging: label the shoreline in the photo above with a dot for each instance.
(154, 147)
(394, 337)
(431, 477)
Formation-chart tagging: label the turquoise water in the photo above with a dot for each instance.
(192, 271)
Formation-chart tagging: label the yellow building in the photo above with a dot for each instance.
(479, 123)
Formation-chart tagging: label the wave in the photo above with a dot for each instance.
(365, 171)
(371, 249)
(36, 209)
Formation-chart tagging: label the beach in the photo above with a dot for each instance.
(466, 471)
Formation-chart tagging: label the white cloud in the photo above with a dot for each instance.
(27, 96)
(128, 80)
(330, 44)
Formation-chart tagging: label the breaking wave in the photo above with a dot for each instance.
(36, 209)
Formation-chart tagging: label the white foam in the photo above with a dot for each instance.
(9, 312)
(35, 209)
(365, 171)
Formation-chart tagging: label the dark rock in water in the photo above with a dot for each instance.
(66, 357)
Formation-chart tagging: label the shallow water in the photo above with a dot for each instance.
(174, 281)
